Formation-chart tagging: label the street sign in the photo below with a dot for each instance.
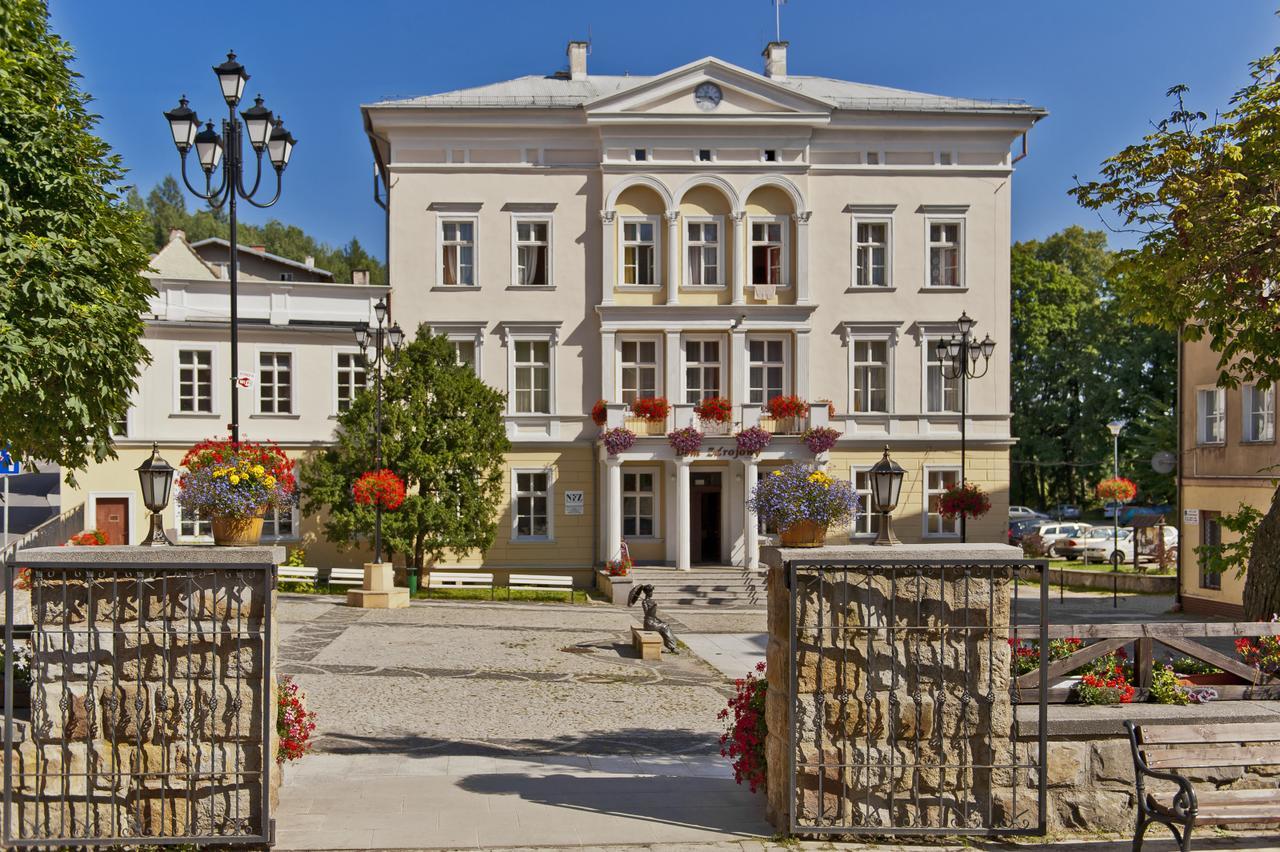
(9, 466)
(244, 381)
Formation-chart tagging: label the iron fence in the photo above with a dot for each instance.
(151, 706)
(902, 710)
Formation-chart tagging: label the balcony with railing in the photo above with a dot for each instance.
(655, 421)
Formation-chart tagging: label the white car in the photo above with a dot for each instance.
(1054, 533)
(1095, 544)
(1022, 513)
(1103, 547)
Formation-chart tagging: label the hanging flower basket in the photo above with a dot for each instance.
(234, 485)
(617, 440)
(686, 441)
(1117, 489)
(753, 439)
(380, 488)
(651, 408)
(967, 499)
(820, 440)
(714, 409)
(600, 412)
(803, 501)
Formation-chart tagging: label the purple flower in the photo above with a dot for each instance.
(686, 441)
(753, 439)
(803, 492)
(618, 440)
(821, 439)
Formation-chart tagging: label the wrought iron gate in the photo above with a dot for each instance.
(151, 712)
(902, 706)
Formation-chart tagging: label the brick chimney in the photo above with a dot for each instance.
(577, 52)
(775, 60)
(359, 276)
(309, 262)
(177, 234)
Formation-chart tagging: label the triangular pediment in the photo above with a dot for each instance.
(742, 94)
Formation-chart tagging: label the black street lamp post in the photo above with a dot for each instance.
(958, 359)
(266, 134)
(376, 337)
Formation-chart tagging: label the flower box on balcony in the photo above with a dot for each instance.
(782, 425)
(641, 426)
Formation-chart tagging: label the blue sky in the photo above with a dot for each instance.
(1101, 67)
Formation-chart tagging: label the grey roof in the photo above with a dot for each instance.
(288, 261)
(557, 91)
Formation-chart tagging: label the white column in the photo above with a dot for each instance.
(673, 256)
(802, 257)
(738, 366)
(801, 338)
(671, 366)
(608, 255)
(751, 532)
(613, 508)
(682, 514)
(608, 376)
(740, 257)
(670, 514)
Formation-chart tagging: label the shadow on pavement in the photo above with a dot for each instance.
(624, 741)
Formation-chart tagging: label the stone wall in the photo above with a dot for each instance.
(149, 693)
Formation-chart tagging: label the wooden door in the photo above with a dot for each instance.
(111, 517)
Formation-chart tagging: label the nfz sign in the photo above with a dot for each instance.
(573, 502)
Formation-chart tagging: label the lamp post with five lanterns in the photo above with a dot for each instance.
(958, 359)
(376, 338)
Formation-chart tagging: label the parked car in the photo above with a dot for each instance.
(1020, 513)
(1057, 533)
(1021, 528)
(1103, 547)
(1066, 512)
(1094, 541)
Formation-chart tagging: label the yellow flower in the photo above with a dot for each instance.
(235, 479)
(259, 469)
(270, 481)
(218, 473)
(777, 473)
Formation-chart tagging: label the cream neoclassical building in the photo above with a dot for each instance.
(707, 231)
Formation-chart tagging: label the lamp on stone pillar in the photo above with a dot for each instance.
(156, 477)
(886, 487)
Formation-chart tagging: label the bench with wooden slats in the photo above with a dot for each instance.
(1158, 750)
(540, 582)
(459, 580)
(296, 574)
(346, 577)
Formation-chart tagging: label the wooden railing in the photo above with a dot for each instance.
(1103, 639)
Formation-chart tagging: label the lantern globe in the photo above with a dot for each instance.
(257, 122)
(965, 324)
(362, 338)
(155, 476)
(280, 145)
(988, 346)
(208, 148)
(396, 336)
(886, 483)
(380, 311)
(184, 124)
(231, 79)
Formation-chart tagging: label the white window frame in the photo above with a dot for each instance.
(659, 368)
(871, 219)
(131, 509)
(854, 364)
(177, 524)
(515, 505)
(786, 364)
(927, 492)
(513, 368)
(338, 351)
(1202, 433)
(1247, 394)
(295, 517)
(518, 219)
(697, 155)
(864, 504)
(656, 222)
(464, 333)
(785, 222)
(215, 398)
(962, 256)
(928, 363)
(656, 473)
(723, 390)
(294, 395)
(718, 221)
(448, 218)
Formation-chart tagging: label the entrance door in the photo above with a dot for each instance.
(704, 521)
(111, 518)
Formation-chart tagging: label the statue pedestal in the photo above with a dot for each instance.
(380, 591)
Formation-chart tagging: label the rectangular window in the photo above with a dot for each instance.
(865, 522)
(704, 155)
(1211, 416)
(945, 253)
(120, 427)
(770, 155)
(275, 383)
(195, 381)
(279, 524)
(870, 375)
(938, 481)
(191, 527)
(873, 254)
(464, 352)
(943, 394)
(639, 370)
(766, 371)
(286, 276)
(637, 505)
(1210, 536)
(1259, 413)
(639, 253)
(533, 253)
(533, 376)
(768, 253)
(350, 378)
(532, 503)
(701, 370)
(640, 155)
(703, 240)
(458, 252)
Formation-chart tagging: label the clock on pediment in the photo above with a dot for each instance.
(707, 96)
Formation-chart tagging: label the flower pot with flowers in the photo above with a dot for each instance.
(803, 501)
(600, 412)
(746, 730)
(820, 440)
(753, 439)
(89, 538)
(234, 485)
(787, 412)
(618, 440)
(1117, 489)
(686, 441)
(651, 412)
(714, 415)
(380, 488)
(968, 500)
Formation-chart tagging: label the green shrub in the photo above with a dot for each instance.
(1164, 687)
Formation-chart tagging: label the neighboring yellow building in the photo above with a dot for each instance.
(1228, 458)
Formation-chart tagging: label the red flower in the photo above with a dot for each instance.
(967, 499)
(1117, 489)
(787, 406)
(714, 409)
(600, 412)
(379, 488)
(743, 741)
(652, 408)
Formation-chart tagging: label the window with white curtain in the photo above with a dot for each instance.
(946, 252)
(1211, 416)
(937, 481)
(870, 376)
(942, 393)
(464, 352)
(703, 242)
(766, 370)
(458, 252)
(533, 253)
(533, 376)
(531, 496)
(639, 369)
(872, 252)
(1259, 413)
(769, 251)
(701, 370)
(639, 252)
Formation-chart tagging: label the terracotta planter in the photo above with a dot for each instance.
(804, 534)
(1215, 679)
(237, 532)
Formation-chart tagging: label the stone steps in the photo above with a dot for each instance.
(704, 587)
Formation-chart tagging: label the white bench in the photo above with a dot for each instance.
(346, 577)
(540, 582)
(296, 574)
(459, 580)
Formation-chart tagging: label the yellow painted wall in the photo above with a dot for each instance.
(1213, 497)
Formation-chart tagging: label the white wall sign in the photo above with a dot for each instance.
(1191, 517)
(244, 381)
(573, 502)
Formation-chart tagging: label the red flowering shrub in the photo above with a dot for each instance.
(89, 538)
(379, 488)
(619, 567)
(743, 740)
(967, 499)
(653, 408)
(787, 406)
(294, 723)
(1262, 653)
(1117, 489)
(600, 412)
(1106, 688)
(22, 582)
(714, 409)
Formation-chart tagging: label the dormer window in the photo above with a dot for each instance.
(770, 155)
(640, 155)
(704, 155)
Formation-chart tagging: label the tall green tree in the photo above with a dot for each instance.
(71, 256)
(1202, 196)
(443, 434)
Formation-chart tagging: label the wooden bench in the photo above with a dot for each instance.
(1157, 749)
(346, 577)
(296, 574)
(540, 582)
(459, 580)
(647, 643)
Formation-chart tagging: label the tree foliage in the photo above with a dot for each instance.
(443, 434)
(1204, 197)
(165, 208)
(71, 256)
